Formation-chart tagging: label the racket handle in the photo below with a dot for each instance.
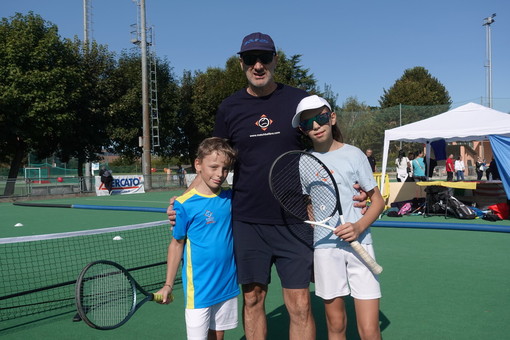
(159, 298)
(365, 256)
(369, 260)
(358, 248)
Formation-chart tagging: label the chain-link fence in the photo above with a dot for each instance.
(51, 186)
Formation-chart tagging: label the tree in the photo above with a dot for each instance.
(168, 108)
(415, 96)
(209, 90)
(415, 87)
(38, 78)
(87, 134)
(126, 108)
(290, 72)
(331, 97)
(358, 125)
(200, 95)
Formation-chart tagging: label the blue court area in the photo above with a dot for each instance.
(437, 283)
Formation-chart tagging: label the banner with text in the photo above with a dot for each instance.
(122, 185)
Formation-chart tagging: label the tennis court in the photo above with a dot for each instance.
(437, 284)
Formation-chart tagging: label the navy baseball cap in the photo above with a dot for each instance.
(257, 42)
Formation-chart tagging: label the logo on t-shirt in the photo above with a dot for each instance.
(263, 122)
(323, 176)
(209, 218)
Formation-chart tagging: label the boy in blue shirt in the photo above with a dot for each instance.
(202, 239)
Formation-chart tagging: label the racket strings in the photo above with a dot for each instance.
(108, 296)
(304, 187)
(287, 188)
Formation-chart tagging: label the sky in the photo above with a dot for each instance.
(358, 48)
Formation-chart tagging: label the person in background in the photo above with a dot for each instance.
(181, 173)
(494, 172)
(419, 167)
(480, 168)
(403, 164)
(459, 169)
(106, 179)
(371, 159)
(450, 168)
(430, 168)
(410, 156)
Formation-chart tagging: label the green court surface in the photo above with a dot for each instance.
(38, 220)
(437, 284)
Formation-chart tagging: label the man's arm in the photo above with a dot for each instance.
(351, 231)
(170, 210)
(360, 199)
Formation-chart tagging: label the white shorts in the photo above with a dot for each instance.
(218, 317)
(340, 272)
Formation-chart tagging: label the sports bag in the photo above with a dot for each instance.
(459, 209)
(406, 209)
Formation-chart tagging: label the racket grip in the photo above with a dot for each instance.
(159, 298)
(365, 256)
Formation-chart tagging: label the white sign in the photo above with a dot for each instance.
(123, 184)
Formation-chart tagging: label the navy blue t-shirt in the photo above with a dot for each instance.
(260, 129)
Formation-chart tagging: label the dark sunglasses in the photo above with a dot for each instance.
(321, 119)
(251, 59)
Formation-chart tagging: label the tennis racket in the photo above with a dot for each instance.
(106, 295)
(305, 188)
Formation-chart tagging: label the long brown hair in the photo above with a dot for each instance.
(335, 130)
(337, 134)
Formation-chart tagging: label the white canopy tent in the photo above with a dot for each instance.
(469, 122)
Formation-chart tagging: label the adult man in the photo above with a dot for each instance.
(371, 159)
(256, 120)
(450, 168)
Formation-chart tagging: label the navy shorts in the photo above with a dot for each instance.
(258, 246)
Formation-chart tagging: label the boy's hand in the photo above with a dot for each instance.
(171, 213)
(166, 292)
(360, 198)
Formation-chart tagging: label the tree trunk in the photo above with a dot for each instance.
(13, 171)
(80, 167)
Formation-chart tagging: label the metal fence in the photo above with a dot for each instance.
(54, 186)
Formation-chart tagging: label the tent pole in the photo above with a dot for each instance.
(386, 147)
(427, 159)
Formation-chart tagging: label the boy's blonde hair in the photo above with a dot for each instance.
(216, 144)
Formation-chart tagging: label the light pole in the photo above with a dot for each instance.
(487, 23)
(145, 140)
(87, 27)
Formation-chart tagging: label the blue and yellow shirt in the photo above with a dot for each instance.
(209, 269)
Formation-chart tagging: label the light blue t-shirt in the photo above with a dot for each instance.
(419, 167)
(348, 165)
(209, 270)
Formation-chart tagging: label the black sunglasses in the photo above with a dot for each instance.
(321, 119)
(251, 59)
